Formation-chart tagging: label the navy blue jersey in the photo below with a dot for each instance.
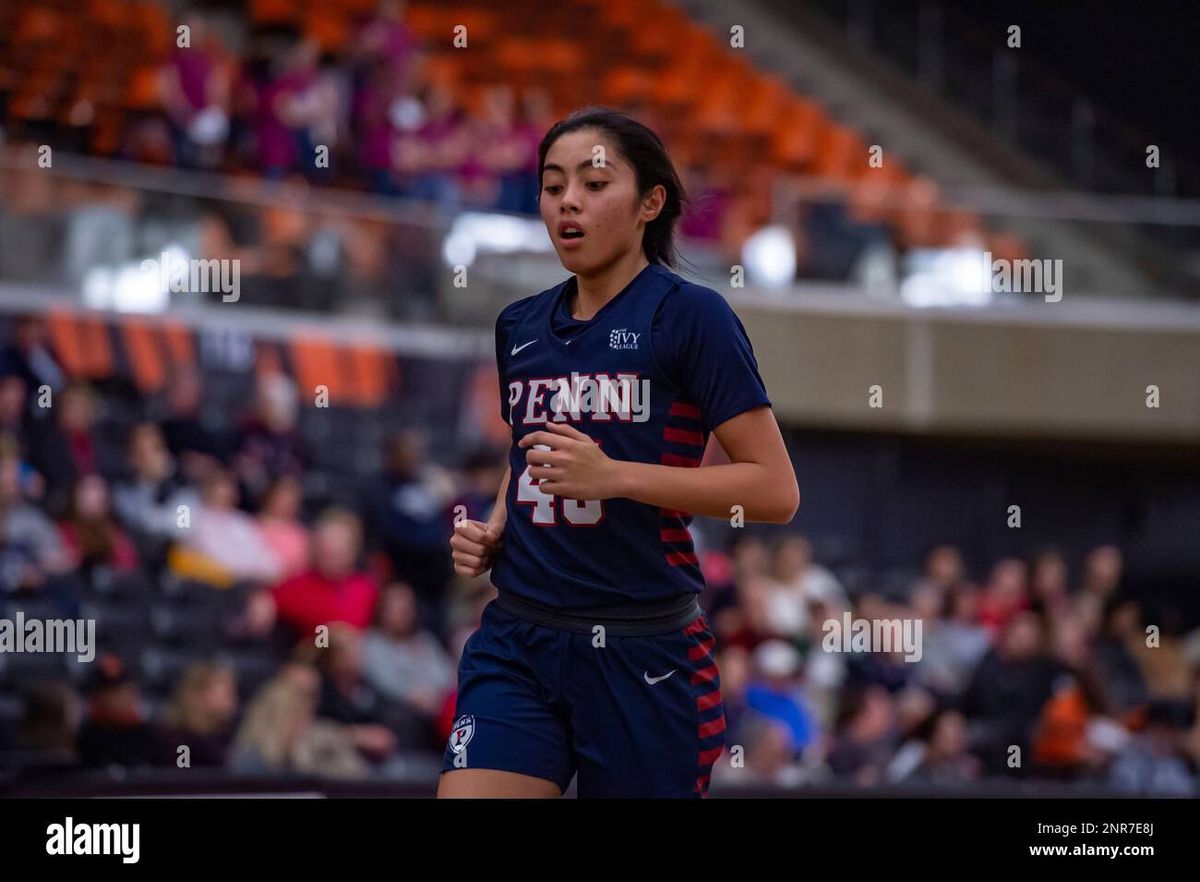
(648, 377)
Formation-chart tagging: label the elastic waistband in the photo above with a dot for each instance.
(622, 620)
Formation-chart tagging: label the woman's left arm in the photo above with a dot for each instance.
(759, 476)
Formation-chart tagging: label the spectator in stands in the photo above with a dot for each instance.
(494, 148)
(91, 534)
(273, 116)
(768, 758)
(26, 528)
(1116, 665)
(1074, 735)
(269, 445)
(386, 40)
(377, 725)
(745, 623)
(333, 588)
(1048, 583)
(944, 567)
(519, 183)
(953, 641)
(221, 544)
(427, 158)
(945, 758)
(1162, 655)
(50, 726)
(14, 414)
(775, 691)
(116, 730)
(321, 113)
(65, 447)
(196, 86)
(1102, 570)
(887, 669)
(32, 357)
(865, 735)
(280, 732)
(1154, 762)
(796, 582)
(1007, 692)
(200, 716)
(1005, 596)
(708, 201)
(404, 662)
(406, 508)
(196, 446)
(282, 529)
(148, 500)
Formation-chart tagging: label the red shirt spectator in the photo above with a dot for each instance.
(334, 589)
(311, 599)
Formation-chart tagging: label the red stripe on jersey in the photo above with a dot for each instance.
(679, 409)
(682, 558)
(716, 727)
(683, 436)
(704, 675)
(673, 513)
(674, 459)
(708, 757)
(709, 701)
(674, 535)
(701, 650)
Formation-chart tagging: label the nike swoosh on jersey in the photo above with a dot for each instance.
(653, 680)
(517, 349)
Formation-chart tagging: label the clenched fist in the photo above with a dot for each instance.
(474, 546)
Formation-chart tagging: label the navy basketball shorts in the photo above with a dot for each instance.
(633, 714)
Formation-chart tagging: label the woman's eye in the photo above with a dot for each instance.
(552, 188)
(597, 185)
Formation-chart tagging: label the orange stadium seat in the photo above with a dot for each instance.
(82, 343)
(144, 91)
(181, 352)
(316, 363)
(370, 372)
(794, 144)
(142, 348)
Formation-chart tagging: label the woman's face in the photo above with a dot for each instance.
(399, 611)
(284, 500)
(91, 497)
(586, 182)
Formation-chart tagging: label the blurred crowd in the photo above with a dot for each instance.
(332, 619)
(383, 115)
(370, 115)
(318, 632)
(1028, 673)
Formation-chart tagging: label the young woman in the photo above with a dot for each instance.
(596, 659)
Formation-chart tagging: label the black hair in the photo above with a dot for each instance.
(651, 164)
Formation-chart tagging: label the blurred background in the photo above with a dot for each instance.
(209, 472)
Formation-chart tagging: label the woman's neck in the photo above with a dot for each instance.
(595, 290)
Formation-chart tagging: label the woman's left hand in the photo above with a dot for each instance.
(574, 467)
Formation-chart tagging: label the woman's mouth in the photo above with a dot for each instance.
(570, 234)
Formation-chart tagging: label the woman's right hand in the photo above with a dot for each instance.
(474, 546)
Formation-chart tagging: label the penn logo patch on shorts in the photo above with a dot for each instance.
(461, 734)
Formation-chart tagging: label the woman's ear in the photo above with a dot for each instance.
(652, 204)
